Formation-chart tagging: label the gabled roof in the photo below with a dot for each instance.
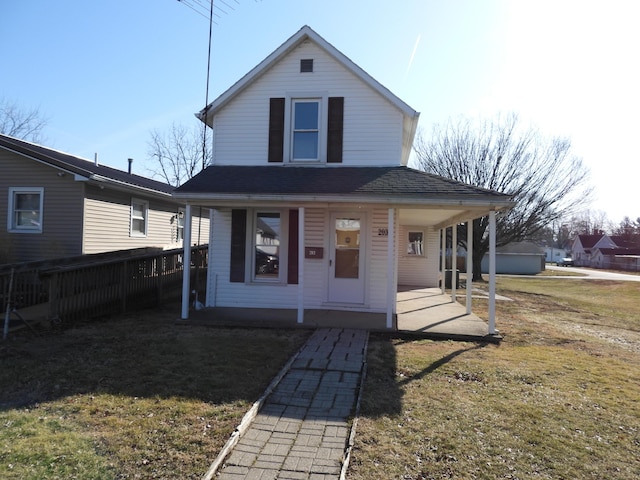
(409, 115)
(619, 251)
(588, 241)
(347, 184)
(305, 33)
(82, 168)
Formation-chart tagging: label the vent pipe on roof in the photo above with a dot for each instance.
(95, 158)
(130, 162)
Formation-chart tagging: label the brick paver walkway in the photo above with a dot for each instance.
(301, 432)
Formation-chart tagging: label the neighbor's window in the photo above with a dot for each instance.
(268, 230)
(415, 246)
(180, 225)
(139, 217)
(305, 135)
(25, 209)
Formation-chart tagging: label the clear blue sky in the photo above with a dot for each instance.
(107, 72)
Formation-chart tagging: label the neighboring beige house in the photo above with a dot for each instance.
(53, 205)
(316, 213)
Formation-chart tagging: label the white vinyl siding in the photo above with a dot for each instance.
(419, 270)
(223, 293)
(372, 125)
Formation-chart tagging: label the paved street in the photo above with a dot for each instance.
(593, 274)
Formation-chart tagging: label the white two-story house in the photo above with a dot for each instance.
(315, 213)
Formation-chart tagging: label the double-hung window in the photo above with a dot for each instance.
(139, 217)
(415, 244)
(306, 129)
(267, 246)
(25, 209)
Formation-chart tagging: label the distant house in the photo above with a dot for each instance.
(518, 258)
(316, 213)
(606, 251)
(57, 205)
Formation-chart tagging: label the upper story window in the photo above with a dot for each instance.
(25, 209)
(306, 130)
(139, 217)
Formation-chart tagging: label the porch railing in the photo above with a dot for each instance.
(99, 286)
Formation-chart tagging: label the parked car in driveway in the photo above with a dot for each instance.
(565, 262)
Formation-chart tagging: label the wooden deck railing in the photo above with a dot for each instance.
(99, 287)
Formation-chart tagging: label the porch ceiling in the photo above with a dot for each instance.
(431, 217)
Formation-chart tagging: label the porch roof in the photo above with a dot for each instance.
(389, 185)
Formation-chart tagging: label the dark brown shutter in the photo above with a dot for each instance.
(238, 245)
(292, 271)
(276, 129)
(334, 129)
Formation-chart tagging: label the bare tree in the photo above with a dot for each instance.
(19, 123)
(179, 154)
(545, 180)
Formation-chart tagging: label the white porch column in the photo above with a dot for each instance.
(186, 263)
(492, 273)
(391, 287)
(454, 261)
(300, 264)
(443, 257)
(469, 263)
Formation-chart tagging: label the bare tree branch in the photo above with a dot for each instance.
(545, 180)
(177, 154)
(19, 123)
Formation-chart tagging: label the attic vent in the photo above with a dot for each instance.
(306, 65)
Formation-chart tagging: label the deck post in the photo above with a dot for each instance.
(469, 263)
(492, 272)
(454, 261)
(186, 263)
(391, 287)
(443, 259)
(300, 265)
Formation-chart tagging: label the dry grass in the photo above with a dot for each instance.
(135, 397)
(559, 398)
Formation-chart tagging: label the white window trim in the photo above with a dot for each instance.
(133, 233)
(323, 99)
(250, 265)
(11, 212)
(422, 253)
(180, 218)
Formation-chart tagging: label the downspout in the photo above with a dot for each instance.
(186, 263)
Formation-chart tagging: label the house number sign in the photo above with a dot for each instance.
(313, 252)
(383, 232)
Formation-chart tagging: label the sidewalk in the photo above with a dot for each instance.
(302, 430)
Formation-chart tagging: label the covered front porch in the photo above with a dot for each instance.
(423, 312)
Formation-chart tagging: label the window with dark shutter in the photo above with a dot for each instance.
(276, 129)
(334, 129)
(306, 65)
(292, 252)
(238, 245)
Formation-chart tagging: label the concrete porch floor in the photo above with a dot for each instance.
(428, 313)
(422, 312)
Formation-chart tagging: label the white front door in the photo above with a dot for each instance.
(347, 258)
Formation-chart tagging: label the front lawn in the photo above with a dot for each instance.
(559, 398)
(131, 397)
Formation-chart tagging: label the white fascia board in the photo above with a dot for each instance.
(306, 200)
(206, 114)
